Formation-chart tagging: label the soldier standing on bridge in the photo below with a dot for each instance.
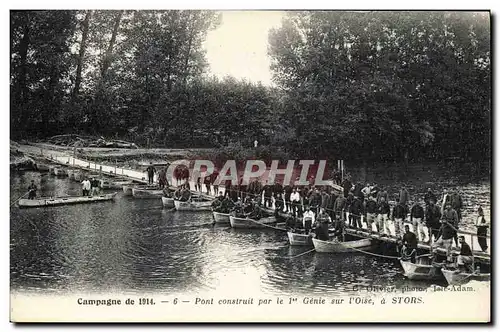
(151, 170)
(32, 190)
(482, 229)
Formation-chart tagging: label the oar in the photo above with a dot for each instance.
(20, 198)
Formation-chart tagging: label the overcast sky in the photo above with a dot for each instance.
(238, 47)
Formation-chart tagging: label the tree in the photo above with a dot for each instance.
(383, 85)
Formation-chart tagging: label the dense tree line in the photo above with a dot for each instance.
(386, 85)
(356, 85)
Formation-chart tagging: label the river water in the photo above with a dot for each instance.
(138, 246)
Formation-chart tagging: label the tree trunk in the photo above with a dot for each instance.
(49, 104)
(188, 53)
(107, 57)
(83, 46)
(105, 66)
(23, 52)
(21, 89)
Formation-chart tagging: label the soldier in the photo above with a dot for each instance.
(383, 210)
(432, 217)
(268, 194)
(339, 207)
(457, 204)
(451, 216)
(288, 194)
(308, 220)
(296, 203)
(346, 184)
(32, 190)
(355, 212)
(398, 216)
(322, 221)
(482, 229)
(382, 194)
(417, 218)
(213, 179)
(151, 170)
(410, 244)
(464, 259)
(404, 196)
(371, 213)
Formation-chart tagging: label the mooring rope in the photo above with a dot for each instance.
(19, 198)
(280, 229)
(306, 252)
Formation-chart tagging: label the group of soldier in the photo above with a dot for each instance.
(251, 208)
(318, 207)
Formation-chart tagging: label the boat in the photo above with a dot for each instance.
(423, 269)
(60, 172)
(168, 202)
(238, 222)
(71, 175)
(109, 184)
(297, 239)
(193, 205)
(42, 168)
(52, 201)
(221, 218)
(454, 277)
(78, 176)
(147, 192)
(337, 246)
(127, 190)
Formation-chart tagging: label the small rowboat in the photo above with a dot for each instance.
(105, 184)
(454, 277)
(42, 168)
(221, 218)
(337, 246)
(60, 172)
(168, 202)
(422, 270)
(71, 175)
(151, 192)
(297, 239)
(237, 222)
(193, 205)
(52, 201)
(78, 176)
(127, 190)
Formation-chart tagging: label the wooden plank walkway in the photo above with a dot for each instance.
(65, 160)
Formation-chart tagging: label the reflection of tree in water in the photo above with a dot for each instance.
(39, 257)
(33, 256)
(327, 273)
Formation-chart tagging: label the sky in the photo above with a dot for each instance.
(238, 47)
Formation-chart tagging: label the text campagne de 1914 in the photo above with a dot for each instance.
(387, 295)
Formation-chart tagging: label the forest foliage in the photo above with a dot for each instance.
(355, 85)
